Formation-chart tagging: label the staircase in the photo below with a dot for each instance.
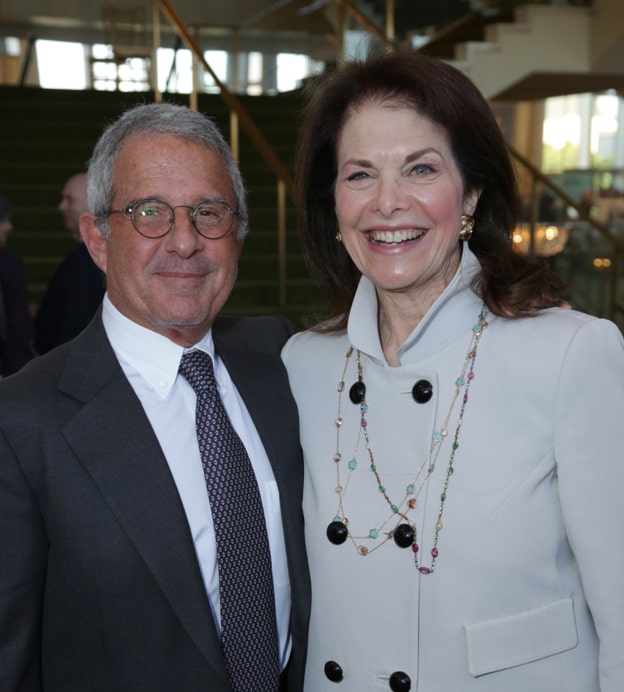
(46, 135)
(540, 50)
(542, 38)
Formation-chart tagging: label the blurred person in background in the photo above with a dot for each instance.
(77, 287)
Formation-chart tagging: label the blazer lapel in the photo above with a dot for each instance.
(252, 374)
(262, 383)
(114, 440)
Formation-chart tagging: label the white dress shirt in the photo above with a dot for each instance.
(150, 361)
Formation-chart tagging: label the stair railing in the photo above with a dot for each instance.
(238, 115)
(592, 227)
(28, 56)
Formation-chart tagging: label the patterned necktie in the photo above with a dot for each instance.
(248, 626)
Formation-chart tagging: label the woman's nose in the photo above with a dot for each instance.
(390, 196)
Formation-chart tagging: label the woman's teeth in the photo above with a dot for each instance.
(394, 237)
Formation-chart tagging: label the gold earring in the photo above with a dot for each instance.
(467, 227)
(338, 237)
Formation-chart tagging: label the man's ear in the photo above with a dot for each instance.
(93, 239)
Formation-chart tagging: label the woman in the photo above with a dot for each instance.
(462, 434)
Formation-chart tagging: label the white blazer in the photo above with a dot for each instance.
(528, 589)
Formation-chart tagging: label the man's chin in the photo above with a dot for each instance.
(180, 321)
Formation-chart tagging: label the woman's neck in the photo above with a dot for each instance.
(397, 320)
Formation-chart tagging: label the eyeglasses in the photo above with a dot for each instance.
(154, 218)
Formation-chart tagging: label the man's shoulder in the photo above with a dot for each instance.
(31, 385)
(85, 357)
(266, 333)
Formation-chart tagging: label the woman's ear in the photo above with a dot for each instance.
(470, 201)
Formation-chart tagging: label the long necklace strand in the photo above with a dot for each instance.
(402, 528)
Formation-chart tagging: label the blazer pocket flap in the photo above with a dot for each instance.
(518, 639)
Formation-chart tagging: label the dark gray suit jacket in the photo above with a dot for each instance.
(100, 589)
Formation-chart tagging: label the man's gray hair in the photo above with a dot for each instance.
(157, 119)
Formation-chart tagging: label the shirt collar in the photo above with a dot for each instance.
(154, 357)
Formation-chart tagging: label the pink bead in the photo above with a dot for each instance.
(364, 423)
(424, 570)
(434, 552)
(415, 547)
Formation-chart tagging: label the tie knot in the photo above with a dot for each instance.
(196, 368)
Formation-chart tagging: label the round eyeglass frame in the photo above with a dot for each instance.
(130, 211)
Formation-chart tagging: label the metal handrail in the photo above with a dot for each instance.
(385, 36)
(616, 306)
(30, 45)
(229, 98)
(238, 114)
(562, 194)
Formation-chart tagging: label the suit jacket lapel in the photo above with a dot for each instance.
(262, 383)
(115, 442)
(252, 375)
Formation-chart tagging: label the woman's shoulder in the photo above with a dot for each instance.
(568, 319)
(312, 345)
(556, 329)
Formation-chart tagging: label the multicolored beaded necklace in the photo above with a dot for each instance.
(401, 529)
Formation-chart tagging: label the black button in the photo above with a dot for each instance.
(400, 682)
(337, 532)
(357, 392)
(404, 535)
(333, 671)
(422, 391)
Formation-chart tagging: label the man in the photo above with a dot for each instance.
(109, 577)
(77, 287)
